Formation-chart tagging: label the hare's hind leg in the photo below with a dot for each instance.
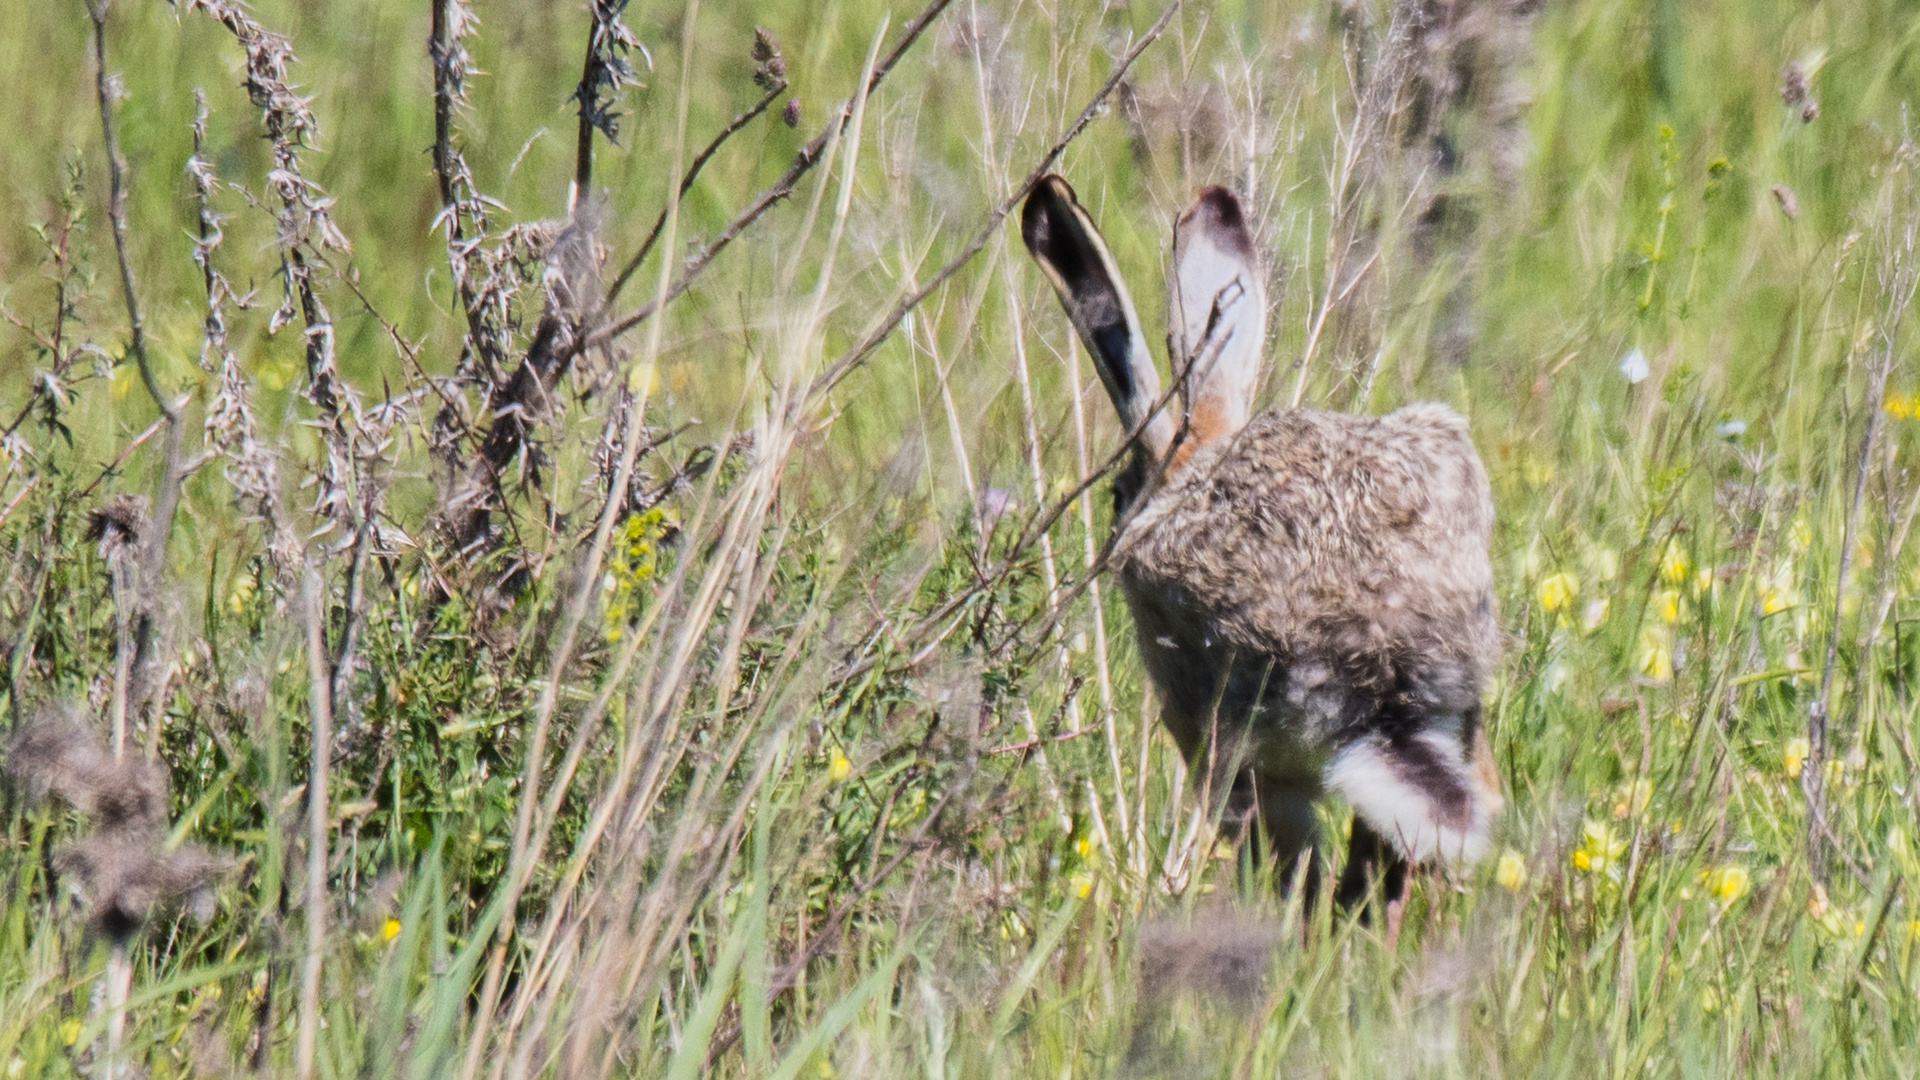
(1286, 812)
(1370, 858)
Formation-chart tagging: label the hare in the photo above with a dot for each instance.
(1312, 590)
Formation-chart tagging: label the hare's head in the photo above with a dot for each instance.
(1216, 324)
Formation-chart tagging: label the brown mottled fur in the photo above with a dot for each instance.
(1352, 550)
(1300, 582)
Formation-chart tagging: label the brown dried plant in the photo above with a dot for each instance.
(123, 870)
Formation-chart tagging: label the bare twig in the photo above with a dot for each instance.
(604, 71)
(463, 211)
(320, 713)
(110, 467)
(1039, 741)
(803, 162)
(252, 469)
(153, 553)
(686, 183)
(873, 339)
(106, 89)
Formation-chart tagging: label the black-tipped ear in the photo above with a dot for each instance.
(1063, 240)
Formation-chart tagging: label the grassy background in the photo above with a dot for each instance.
(799, 750)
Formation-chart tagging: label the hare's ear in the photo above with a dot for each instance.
(1063, 240)
(1218, 325)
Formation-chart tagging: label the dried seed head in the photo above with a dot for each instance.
(55, 754)
(790, 115)
(1220, 954)
(1793, 84)
(1810, 110)
(121, 879)
(1789, 202)
(770, 68)
(121, 870)
(118, 524)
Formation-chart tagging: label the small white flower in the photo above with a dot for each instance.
(1634, 365)
(1730, 429)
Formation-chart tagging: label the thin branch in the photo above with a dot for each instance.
(858, 355)
(151, 562)
(604, 69)
(105, 90)
(446, 83)
(109, 468)
(321, 718)
(803, 162)
(686, 183)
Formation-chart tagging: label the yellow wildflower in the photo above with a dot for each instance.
(1832, 919)
(1600, 847)
(633, 561)
(1900, 406)
(1604, 562)
(70, 1030)
(1655, 657)
(390, 929)
(1557, 592)
(1799, 535)
(1728, 884)
(1674, 565)
(1774, 599)
(243, 590)
(1511, 872)
(1794, 757)
(838, 767)
(1666, 605)
(1702, 582)
(1630, 799)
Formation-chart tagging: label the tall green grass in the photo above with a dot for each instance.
(848, 775)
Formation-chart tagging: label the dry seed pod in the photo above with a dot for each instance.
(770, 70)
(121, 870)
(1789, 202)
(1793, 83)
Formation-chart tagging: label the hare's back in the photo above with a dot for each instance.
(1355, 542)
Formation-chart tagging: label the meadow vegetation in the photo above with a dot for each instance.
(563, 539)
